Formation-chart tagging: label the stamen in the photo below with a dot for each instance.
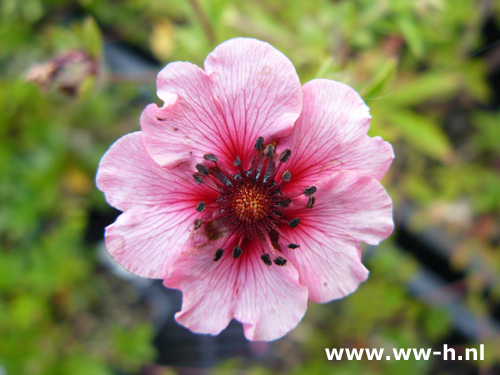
(285, 202)
(226, 240)
(274, 238)
(263, 169)
(310, 202)
(237, 162)
(197, 224)
(310, 191)
(204, 171)
(282, 159)
(197, 178)
(213, 218)
(201, 206)
(266, 258)
(210, 157)
(294, 222)
(285, 155)
(259, 143)
(277, 187)
(217, 182)
(279, 261)
(286, 176)
(218, 254)
(270, 244)
(282, 235)
(225, 173)
(268, 151)
(237, 251)
(294, 195)
(292, 245)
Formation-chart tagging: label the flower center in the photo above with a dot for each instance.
(250, 204)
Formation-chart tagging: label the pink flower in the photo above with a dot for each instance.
(248, 192)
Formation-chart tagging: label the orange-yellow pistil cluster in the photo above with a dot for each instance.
(250, 204)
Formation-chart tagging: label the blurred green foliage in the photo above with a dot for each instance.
(60, 109)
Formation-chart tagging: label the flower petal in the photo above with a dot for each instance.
(330, 267)
(268, 300)
(349, 208)
(271, 300)
(331, 135)
(248, 89)
(145, 242)
(159, 207)
(130, 178)
(208, 290)
(258, 89)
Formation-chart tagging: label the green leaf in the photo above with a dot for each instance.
(83, 365)
(436, 85)
(487, 138)
(421, 132)
(436, 323)
(87, 87)
(475, 80)
(92, 38)
(382, 77)
(412, 35)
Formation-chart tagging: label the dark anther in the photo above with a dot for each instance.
(286, 176)
(259, 143)
(294, 222)
(237, 162)
(237, 252)
(266, 259)
(269, 151)
(279, 261)
(274, 237)
(197, 224)
(285, 202)
(201, 206)
(310, 202)
(285, 155)
(202, 169)
(218, 254)
(197, 178)
(292, 245)
(210, 157)
(310, 191)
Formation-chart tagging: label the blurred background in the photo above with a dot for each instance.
(75, 76)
